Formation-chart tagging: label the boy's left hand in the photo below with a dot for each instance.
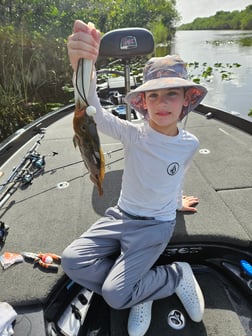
(83, 43)
(188, 203)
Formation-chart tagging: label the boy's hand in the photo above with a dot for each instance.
(188, 203)
(83, 43)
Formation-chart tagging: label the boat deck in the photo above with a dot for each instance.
(61, 202)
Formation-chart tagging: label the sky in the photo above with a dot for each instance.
(190, 9)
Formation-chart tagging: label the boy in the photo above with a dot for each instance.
(157, 154)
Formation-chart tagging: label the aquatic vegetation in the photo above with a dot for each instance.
(246, 41)
(204, 71)
(217, 43)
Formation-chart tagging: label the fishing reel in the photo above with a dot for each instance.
(27, 178)
(37, 161)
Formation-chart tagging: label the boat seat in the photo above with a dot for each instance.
(126, 43)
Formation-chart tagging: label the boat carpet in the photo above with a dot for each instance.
(224, 314)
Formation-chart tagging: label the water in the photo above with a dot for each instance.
(235, 95)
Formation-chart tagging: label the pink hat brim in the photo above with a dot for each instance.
(197, 92)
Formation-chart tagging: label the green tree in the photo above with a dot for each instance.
(33, 59)
(223, 20)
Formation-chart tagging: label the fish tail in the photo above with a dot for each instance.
(100, 189)
(96, 180)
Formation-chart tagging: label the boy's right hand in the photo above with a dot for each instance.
(83, 43)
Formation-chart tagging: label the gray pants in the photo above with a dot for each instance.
(130, 278)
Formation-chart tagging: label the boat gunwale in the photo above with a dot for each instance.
(15, 141)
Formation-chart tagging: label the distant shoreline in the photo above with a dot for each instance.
(235, 20)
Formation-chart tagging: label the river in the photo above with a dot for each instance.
(222, 47)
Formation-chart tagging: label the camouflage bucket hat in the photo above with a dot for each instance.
(164, 73)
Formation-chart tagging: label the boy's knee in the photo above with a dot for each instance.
(73, 263)
(67, 259)
(113, 295)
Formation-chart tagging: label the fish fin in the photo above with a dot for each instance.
(102, 166)
(75, 141)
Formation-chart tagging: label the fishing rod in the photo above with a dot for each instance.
(20, 173)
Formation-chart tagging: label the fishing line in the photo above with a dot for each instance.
(113, 151)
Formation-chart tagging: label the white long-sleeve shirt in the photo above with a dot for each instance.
(155, 165)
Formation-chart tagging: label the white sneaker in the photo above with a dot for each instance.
(190, 294)
(139, 319)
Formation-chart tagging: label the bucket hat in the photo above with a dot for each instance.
(164, 73)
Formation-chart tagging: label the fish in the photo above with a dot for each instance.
(86, 136)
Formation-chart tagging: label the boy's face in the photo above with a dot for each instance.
(164, 108)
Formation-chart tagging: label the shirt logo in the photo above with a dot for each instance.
(173, 168)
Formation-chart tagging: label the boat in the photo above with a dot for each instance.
(47, 200)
